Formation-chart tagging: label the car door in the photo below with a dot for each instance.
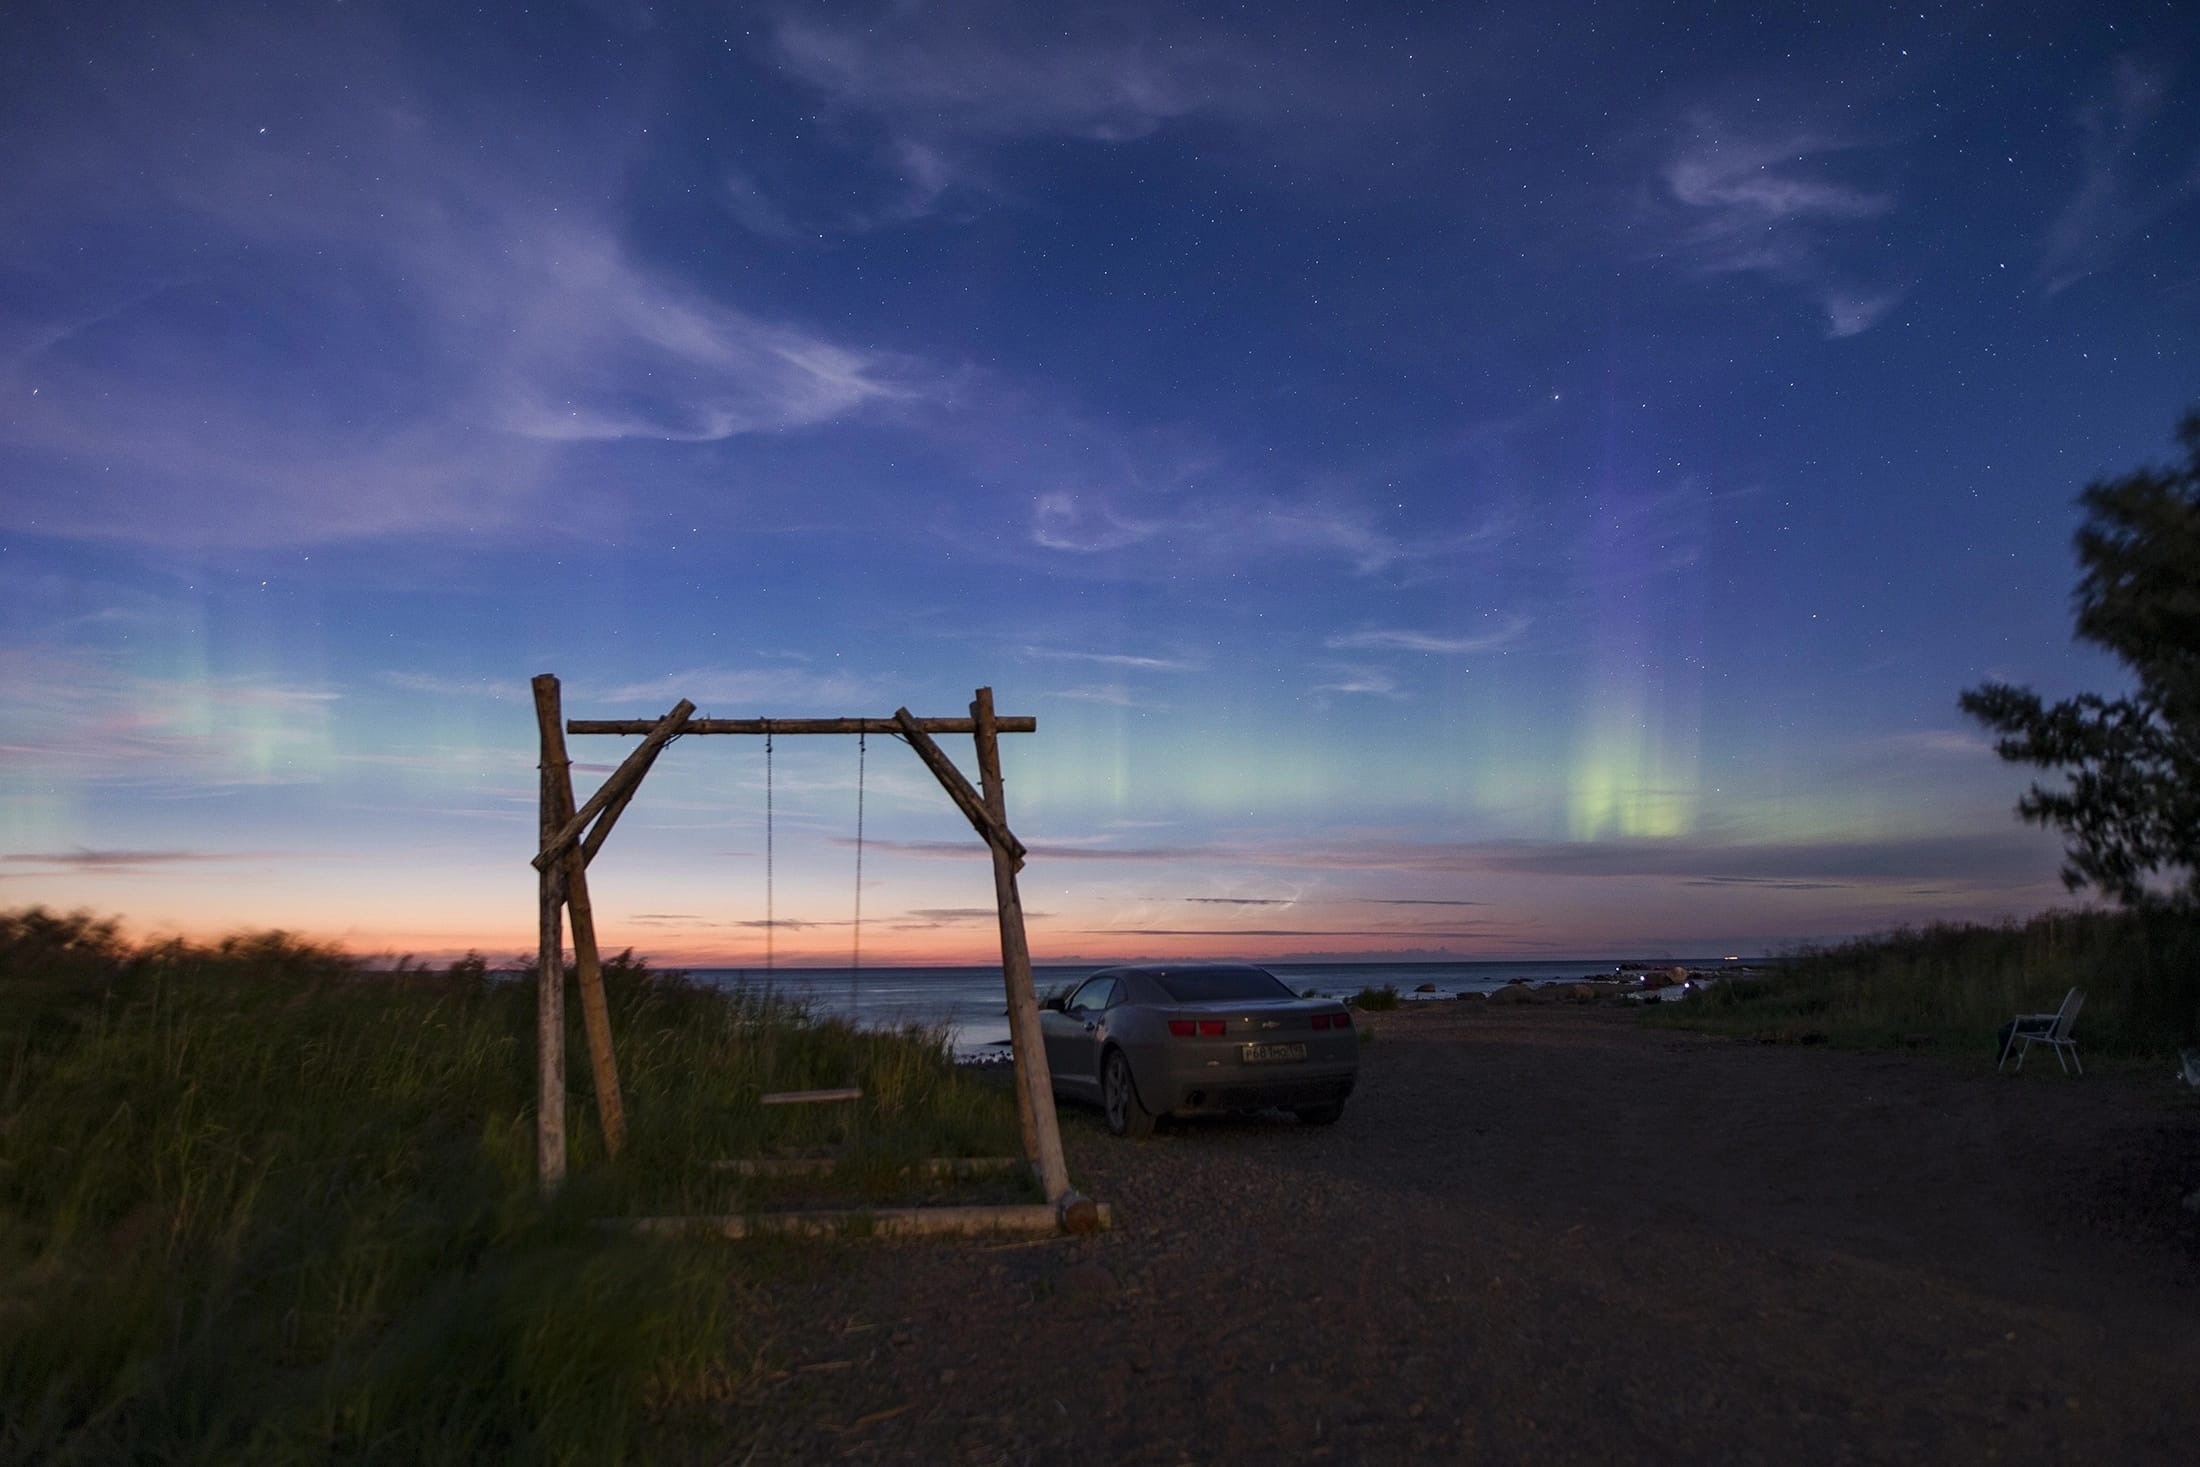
(1072, 1036)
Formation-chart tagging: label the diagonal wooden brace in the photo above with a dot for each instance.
(621, 781)
(967, 799)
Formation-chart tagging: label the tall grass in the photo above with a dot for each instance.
(1954, 986)
(257, 1203)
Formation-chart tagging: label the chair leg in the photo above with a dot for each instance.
(2076, 1061)
(2059, 1060)
(2023, 1052)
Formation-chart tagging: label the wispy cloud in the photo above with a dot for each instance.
(945, 85)
(741, 692)
(1372, 682)
(975, 849)
(1999, 858)
(755, 211)
(2113, 202)
(1166, 504)
(1349, 532)
(502, 317)
(1399, 639)
(1134, 661)
(1243, 901)
(1954, 742)
(494, 689)
(117, 863)
(1115, 695)
(80, 718)
(1772, 205)
(1084, 524)
(1470, 931)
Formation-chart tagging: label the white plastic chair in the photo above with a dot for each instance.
(2050, 1029)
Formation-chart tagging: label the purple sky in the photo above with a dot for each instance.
(1475, 481)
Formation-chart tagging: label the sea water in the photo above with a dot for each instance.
(971, 1005)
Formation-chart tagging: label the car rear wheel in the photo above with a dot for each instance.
(1322, 1115)
(1119, 1097)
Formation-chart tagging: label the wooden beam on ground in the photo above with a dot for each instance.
(953, 1167)
(811, 1097)
(793, 725)
(603, 1062)
(550, 960)
(1025, 1218)
(1034, 1081)
(968, 800)
(621, 783)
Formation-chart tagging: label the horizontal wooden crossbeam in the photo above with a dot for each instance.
(1073, 1215)
(796, 725)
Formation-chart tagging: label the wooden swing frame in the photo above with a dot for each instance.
(570, 839)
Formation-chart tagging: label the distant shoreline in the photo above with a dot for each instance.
(967, 1001)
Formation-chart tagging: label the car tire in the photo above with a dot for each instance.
(1321, 1115)
(1119, 1098)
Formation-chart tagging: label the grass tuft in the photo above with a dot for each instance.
(258, 1202)
(1951, 987)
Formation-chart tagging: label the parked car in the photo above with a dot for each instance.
(1171, 1039)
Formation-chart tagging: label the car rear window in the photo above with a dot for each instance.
(1207, 985)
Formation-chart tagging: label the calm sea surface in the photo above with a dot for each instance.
(970, 1001)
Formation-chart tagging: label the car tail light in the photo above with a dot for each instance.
(1183, 1028)
(1342, 1020)
(1332, 1021)
(1213, 1028)
(1321, 1021)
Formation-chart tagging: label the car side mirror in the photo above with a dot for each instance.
(1055, 1003)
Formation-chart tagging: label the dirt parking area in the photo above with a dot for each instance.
(1551, 1236)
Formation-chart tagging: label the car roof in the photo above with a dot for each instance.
(1157, 970)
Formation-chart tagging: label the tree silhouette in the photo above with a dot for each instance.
(2130, 807)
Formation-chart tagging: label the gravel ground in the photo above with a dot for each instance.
(1548, 1235)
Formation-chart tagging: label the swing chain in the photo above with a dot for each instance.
(855, 939)
(771, 916)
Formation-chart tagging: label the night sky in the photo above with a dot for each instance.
(1452, 480)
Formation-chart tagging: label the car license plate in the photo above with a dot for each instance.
(1264, 1054)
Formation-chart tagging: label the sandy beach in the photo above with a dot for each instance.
(1548, 1233)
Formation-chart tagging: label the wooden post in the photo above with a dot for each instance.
(603, 1061)
(550, 956)
(1035, 1088)
(603, 1064)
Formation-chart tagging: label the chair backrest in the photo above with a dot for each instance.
(2067, 1016)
